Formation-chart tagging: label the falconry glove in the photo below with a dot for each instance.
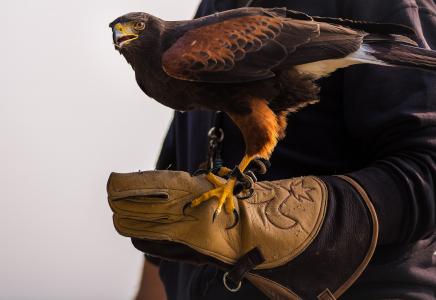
(296, 239)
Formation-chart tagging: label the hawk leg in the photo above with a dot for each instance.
(261, 130)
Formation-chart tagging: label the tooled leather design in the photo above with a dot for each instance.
(275, 207)
(299, 192)
(293, 212)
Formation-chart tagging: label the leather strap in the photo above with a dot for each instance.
(371, 249)
(248, 262)
(326, 295)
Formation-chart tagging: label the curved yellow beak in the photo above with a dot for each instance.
(122, 35)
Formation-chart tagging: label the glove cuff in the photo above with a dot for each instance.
(339, 254)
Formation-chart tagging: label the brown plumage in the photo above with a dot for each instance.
(216, 48)
(255, 64)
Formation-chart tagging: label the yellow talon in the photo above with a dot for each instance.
(229, 204)
(213, 180)
(224, 172)
(224, 192)
(216, 192)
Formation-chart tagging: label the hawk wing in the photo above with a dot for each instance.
(249, 44)
(241, 49)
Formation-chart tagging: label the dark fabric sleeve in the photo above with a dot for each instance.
(209, 7)
(205, 8)
(167, 158)
(392, 111)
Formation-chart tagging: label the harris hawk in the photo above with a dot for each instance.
(255, 64)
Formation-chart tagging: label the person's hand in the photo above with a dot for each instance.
(289, 229)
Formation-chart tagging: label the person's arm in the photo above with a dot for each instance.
(392, 112)
(150, 287)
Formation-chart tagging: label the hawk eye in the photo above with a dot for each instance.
(139, 26)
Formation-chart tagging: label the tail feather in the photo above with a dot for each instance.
(381, 28)
(402, 55)
(391, 38)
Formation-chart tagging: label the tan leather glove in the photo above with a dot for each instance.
(291, 241)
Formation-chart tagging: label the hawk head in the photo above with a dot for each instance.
(128, 28)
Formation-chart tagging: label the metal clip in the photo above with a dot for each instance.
(213, 136)
(232, 290)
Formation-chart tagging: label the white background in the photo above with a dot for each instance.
(70, 114)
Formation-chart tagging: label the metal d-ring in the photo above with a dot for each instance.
(232, 290)
(247, 179)
(212, 134)
(261, 166)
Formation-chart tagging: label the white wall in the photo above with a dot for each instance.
(70, 113)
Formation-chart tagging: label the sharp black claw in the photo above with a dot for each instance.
(186, 206)
(235, 212)
(214, 215)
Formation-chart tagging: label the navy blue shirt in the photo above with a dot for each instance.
(376, 124)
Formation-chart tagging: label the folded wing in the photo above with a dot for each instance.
(237, 50)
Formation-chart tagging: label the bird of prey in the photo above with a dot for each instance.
(254, 64)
